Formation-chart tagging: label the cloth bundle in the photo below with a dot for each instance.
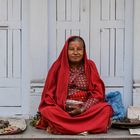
(115, 100)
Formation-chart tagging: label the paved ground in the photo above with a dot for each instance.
(32, 134)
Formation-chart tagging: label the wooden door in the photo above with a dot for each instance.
(10, 56)
(66, 18)
(111, 44)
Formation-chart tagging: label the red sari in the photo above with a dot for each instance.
(53, 102)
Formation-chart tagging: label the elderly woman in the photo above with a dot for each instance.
(73, 97)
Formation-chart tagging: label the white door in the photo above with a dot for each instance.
(111, 44)
(66, 18)
(106, 26)
(11, 57)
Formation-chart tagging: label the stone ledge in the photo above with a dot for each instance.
(35, 134)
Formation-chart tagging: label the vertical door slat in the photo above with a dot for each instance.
(10, 55)
(68, 10)
(3, 10)
(3, 53)
(119, 9)
(75, 10)
(119, 52)
(112, 10)
(61, 10)
(105, 52)
(10, 10)
(112, 53)
(16, 54)
(16, 9)
(105, 8)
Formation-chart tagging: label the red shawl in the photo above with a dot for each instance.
(56, 86)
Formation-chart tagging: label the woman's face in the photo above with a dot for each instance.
(75, 51)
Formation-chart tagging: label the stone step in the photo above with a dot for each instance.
(32, 133)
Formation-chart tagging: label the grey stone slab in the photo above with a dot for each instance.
(32, 133)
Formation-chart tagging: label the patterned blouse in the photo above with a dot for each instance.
(77, 87)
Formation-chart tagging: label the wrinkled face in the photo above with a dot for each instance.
(75, 51)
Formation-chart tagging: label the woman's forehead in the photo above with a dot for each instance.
(76, 42)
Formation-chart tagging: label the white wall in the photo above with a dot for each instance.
(38, 38)
(38, 50)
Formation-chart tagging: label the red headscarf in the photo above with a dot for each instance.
(56, 86)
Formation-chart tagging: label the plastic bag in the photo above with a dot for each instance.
(115, 100)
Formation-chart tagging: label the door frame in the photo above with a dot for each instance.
(128, 60)
(25, 89)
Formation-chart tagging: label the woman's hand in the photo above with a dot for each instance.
(74, 109)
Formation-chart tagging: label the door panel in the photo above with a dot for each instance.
(119, 52)
(16, 54)
(3, 53)
(3, 10)
(109, 48)
(10, 52)
(70, 17)
(13, 95)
